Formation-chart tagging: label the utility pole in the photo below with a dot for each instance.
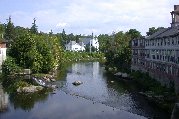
(90, 46)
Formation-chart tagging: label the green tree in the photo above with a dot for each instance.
(34, 29)
(9, 32)
(118, 52)
(152, 30)
(2, 29)
(104, 40)
(21, 47)
(133, 33)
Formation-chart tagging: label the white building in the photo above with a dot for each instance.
(2, 52)
(93, 42)
(84, 42)
(73, 46)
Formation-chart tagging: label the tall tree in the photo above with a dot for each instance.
(118, 52)
(133, 33)
(34, 29)
(2, 29)
(104, 40)
(152, 30)
(9, 32)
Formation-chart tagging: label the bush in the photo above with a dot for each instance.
(9, 67)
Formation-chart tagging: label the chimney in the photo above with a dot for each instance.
(175, 16)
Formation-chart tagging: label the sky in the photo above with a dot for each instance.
(87, 16)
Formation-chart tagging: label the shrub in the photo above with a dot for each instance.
(9, 67)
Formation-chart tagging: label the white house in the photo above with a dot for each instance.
(95, 43)
(90, 42)
(73, 46)
(2, 52)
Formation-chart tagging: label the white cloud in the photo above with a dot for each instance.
(99, 16)
(61, 24)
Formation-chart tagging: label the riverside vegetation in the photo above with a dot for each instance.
(117, 50)
(41, 52)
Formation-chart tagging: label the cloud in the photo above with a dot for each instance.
(62, 24)
(100, 16)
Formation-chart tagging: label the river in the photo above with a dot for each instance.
(101, 96)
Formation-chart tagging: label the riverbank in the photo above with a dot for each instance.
(101, 92)
(82, 56)
(152, 90)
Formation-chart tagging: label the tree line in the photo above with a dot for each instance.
(28, 48)
(117, 48)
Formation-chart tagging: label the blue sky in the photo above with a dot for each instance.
(87, 16)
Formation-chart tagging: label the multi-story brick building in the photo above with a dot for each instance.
(158, 54)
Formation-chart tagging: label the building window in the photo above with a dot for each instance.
(172, 41)
(165, 42)
(168, 42)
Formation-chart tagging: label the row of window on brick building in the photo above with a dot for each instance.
(166, 55)
(156, 66)
(163, 41)
(167, 41)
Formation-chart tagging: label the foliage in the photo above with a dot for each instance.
(117, 49)
(9, 67)
(104, 40)
(152, 30)
(39, 52)
(9, 32)
(82, 56)
(2, 30)
(118, 52)
(150, 84)
(33, 29)
(20, 84)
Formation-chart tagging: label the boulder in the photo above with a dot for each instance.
(53, 80)
(124, 75)
(29, 89)
(77, 83)
(53, 86)
(118, 74)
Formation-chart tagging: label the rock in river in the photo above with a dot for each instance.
(29, 89)
(76, 83)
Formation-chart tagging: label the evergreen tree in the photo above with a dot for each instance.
(2, 28)
(33, 29)
(9, 32)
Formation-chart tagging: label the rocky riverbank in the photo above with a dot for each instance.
(149, 88)
(29, 89)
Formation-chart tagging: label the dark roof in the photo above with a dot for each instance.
(85, 40)
(72, 42)
(159, 32)
(81, 43)
(165, 32)
(170, 32)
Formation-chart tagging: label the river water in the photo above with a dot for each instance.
(101, 96)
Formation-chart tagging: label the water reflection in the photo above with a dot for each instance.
(101, 96)
(104, 88)
(3, 100)
(27, 101)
